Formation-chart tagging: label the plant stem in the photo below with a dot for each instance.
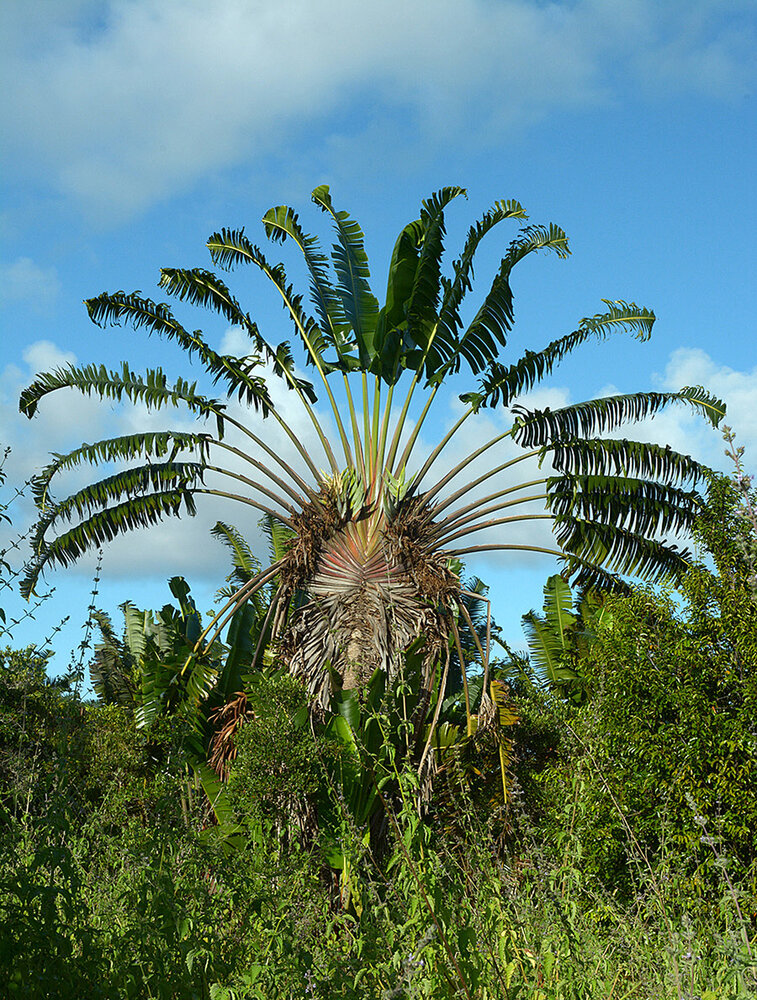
(236, 600)
(249, 502)
(452, 521)
(359, 454)
(384, 431)
(446, 539)
(437, 451)
(401, 423)
(298, 499)
(272, 454)
(471, 458)
(404, 458)
(251, 482)
(438, 508)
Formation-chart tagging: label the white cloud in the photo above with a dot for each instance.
(686, 54)
(235, 341)
(43, 355)
(126, 103)
(738, 390)
(687, 430)
(27, 281)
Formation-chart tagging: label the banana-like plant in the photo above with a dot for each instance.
(371, 539)
(142, 670)
(562, 634)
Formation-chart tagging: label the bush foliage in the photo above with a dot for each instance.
(623, 862)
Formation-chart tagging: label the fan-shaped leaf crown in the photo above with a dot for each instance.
(611, 503)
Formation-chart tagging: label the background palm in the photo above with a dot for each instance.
(368, 566)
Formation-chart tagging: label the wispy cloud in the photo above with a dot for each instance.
(126, 103)
(25, 280)
(687, 431)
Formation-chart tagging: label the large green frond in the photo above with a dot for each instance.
(163, 684)
(109, 308)
(423, 305)
(447, 341)
(103, 527)
(408, 319)
(282, 222)
(231, 247)
(139, 626)
(104, 623)
(110, 681)
(155, 680)
(637, 505)
(246, 566)
(111, 666)
(279, 537)
(504, 383)
(158, 319)
(490, 326)
(620, 315)
(534, 428)
(548, 643)
(390, 341)
(129, 482)
(618, 456)
(172, 679)
(152, 389)
(201, 679)
(587, 576)
(206, 289)
(617, 550)
(119, 449)
(558, 606)
(545, 647)
(359, 304)
(475, 600)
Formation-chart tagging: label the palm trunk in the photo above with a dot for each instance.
(372, 587)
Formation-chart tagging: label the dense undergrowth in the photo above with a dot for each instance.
(623, 862)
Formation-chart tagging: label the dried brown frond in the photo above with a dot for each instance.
(410, 536)
(314, 525)
(226, 721)
(375, 585)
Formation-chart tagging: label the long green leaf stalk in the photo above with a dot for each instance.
(254, 485)
(475, 506)
(468, 530)
(443, 532)
(224, 615)
(291, 493)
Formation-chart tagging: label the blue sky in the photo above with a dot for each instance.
(135, 128)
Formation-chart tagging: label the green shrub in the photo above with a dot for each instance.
(660, 764)
(128, 772)
(41, 730)
(277, 760)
